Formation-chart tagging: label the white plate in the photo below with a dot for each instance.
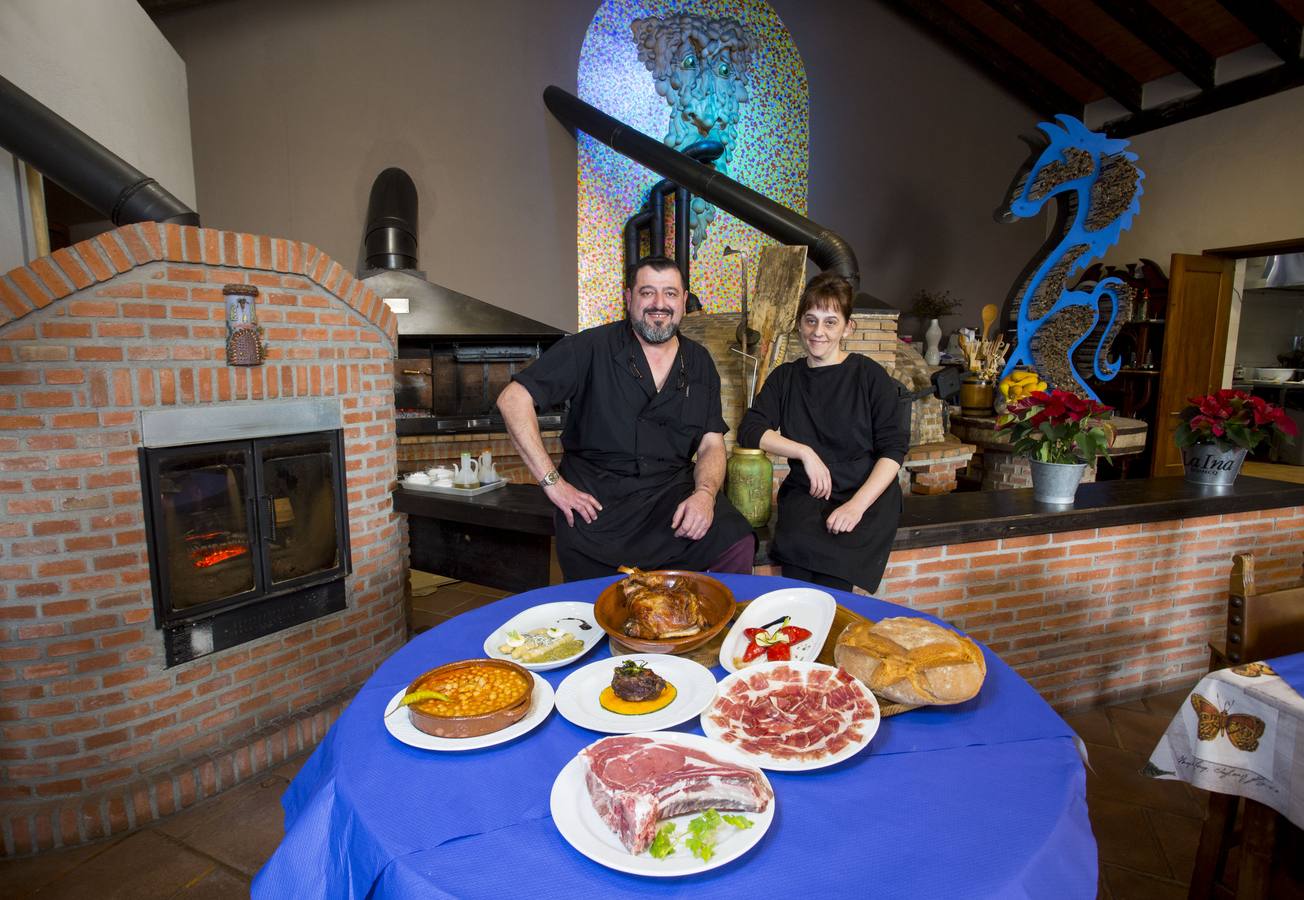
(577, 696)
(583, 829)
(766, 761)
(402, 728)
(545, 616)
(808, 607)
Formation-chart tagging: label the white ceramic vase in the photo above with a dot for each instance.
(932, 338)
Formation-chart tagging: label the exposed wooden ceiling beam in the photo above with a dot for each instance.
(1069, 46)
(1019, 79)
(1278, 29)
(1224, 96)
(1162, 36)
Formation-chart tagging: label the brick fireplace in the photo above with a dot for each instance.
(99, 735)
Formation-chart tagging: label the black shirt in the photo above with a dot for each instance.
(631, 446)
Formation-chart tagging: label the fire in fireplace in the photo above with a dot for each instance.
(246, 536)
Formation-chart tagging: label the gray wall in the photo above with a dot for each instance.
(297, 105)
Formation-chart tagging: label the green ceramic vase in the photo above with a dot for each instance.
(749, 484)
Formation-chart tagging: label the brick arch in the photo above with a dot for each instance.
(101, 737)
(99, 259)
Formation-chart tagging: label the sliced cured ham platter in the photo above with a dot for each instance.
(793, 716)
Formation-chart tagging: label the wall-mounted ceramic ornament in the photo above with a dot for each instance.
(244, 336)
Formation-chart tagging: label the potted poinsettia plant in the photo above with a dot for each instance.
(1217, 430)
(1061, 434)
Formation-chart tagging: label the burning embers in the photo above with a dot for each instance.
(213, 547)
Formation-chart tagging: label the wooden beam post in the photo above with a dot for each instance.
(1158, 33)
(1278, 29)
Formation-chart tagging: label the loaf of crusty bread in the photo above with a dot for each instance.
(911, 660)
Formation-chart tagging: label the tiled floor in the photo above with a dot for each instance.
(1146, 829)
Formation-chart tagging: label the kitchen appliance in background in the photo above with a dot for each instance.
(455, 353)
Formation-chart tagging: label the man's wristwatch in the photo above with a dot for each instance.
(551, 478)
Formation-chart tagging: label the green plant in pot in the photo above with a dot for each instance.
(1061, 434)
(1217, 430)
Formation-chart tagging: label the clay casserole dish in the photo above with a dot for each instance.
(446, 726)
(611, 612)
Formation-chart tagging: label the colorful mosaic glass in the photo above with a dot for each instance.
(769, 151)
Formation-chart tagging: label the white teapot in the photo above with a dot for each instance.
(467, 474)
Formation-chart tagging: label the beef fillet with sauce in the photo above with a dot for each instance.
(635, 682)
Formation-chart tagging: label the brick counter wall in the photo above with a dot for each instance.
(97, 735)
(1101, 615)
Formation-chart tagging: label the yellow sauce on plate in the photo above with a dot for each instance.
(611, 702)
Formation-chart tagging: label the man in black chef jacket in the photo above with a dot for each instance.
(643, 401)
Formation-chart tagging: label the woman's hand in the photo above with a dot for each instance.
(821, 482)
(845, 518)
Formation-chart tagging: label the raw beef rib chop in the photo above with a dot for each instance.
(635, 781)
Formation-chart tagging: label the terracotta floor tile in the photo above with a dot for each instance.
(1178, 836)
(1125, 884)
(240, 827)
(1094, 727)
(1138, 731)
(1168, 703)
(1116, 775)
(22, 877)
(1124, 836)
(219, 884)
(290, 768)
(142, 866)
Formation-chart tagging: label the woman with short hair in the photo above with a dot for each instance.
(836, 416)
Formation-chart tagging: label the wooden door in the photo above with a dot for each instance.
(1195, 344)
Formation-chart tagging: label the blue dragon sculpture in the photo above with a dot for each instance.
(1098, 189)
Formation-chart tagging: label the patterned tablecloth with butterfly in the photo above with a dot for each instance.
(1241, 732)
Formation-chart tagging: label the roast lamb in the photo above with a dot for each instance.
(635, 781)
(661, 606)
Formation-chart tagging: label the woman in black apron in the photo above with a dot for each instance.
(835, 416)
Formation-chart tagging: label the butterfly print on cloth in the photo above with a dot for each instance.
(1242, 730)
(1253, 670)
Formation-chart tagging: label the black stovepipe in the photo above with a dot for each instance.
(828, 250)
(81, 165)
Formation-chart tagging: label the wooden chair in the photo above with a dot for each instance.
(1260, 625)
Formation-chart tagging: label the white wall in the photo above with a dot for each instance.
(102, 65)
(1227, 179)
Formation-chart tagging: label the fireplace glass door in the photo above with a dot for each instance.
(298, 492)
(206, 523)
(241, 521)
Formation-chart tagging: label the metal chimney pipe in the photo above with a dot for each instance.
(81, 165)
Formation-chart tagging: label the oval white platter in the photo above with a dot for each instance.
(807, 607)
(546, 615)
(582, 827)
(869, 727)
(577, 696)
(400, 725)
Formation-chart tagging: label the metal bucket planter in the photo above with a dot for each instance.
(1055, 482)
(1206, 464)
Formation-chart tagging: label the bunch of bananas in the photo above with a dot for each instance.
(1018, 385)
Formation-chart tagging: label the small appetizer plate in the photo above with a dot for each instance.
(582, 827)
(805, 607)
(400, 725)
(577, 696)
(764, 686)
(569, 615)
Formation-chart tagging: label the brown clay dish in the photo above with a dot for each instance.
(516, 705)
(611, 611)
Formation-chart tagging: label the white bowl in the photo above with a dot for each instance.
(1277, 375)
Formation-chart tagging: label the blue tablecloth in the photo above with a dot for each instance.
(985, 799)
(1291, 670)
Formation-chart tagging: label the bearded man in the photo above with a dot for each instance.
(643, 400)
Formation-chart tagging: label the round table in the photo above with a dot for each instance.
(983, 799)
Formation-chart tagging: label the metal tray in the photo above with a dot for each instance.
(453, 491)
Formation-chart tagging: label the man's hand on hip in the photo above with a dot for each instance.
(570, 500)
(693, 517)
